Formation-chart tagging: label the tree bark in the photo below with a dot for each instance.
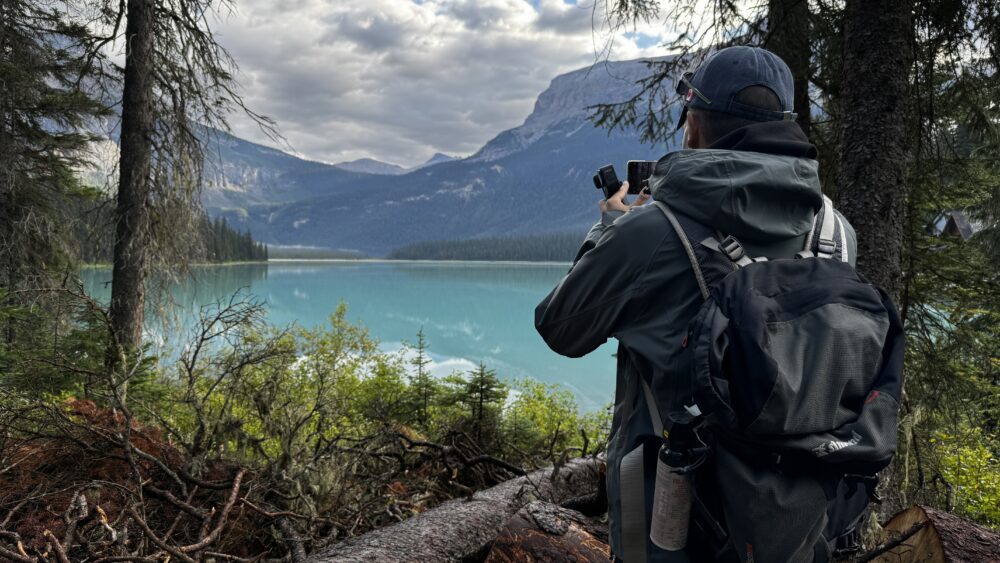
(546, 532)
(788, 37)
(871, 188)
(465, 528)
(943, 537)
(132, 208)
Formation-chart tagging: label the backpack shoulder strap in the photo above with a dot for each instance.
(687, 247)
(844, 251)
(826, 245)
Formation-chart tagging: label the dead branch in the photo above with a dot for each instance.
(215, 533)
(452, 451)
(182, 505)
(892, 544)
(281, 513)
(18, 506)
(77, 511)
(225, 557)
(57, 547)
(21, 557)
(151, 535)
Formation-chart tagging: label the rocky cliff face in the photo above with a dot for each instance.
(241, 176)
(532, 179)
(563, 105)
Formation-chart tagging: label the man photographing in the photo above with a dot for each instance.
(746, 173)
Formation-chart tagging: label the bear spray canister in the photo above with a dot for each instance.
(671, 495)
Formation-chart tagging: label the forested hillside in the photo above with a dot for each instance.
(540, 248)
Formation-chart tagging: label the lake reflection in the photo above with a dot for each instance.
(469, 312)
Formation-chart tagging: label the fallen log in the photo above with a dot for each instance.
(464, 529)
(545, 532)
(937, 537)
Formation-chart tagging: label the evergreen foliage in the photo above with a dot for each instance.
(482, 395)
(45, 115)
(177, 82)
(950, 435)
(226, 244)
(423, 385)
(216, 242)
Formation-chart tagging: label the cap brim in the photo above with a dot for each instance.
(682, 119)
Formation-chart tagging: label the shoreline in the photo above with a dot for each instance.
(396, 261)
(359, 261)
(194, 265)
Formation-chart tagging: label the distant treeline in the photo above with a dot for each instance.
(312, 253)
(536, 248)
(217, 241)
(226, 244)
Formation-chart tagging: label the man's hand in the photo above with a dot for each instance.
(617, 201)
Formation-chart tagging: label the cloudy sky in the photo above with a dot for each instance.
(399, 80)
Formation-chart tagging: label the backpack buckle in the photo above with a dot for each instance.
(826, 247)
(848, 542)
(732, 248)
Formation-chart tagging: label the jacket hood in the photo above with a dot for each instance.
(759, 183)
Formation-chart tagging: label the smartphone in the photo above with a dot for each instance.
(639, 172)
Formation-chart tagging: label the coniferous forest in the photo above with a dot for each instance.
(257, 442)
(215, 242)
(225, 244)
(538, 248)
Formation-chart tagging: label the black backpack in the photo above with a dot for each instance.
(794, 379)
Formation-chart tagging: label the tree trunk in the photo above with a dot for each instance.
(546, 532)
(871, 189)
(465, 528)
(788, 37)
(132, 209)
(9, 266)
(937, 537)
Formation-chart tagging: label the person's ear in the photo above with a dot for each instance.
(692, 131)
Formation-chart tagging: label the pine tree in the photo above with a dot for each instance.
(871, 175)
(783, 26)
(422, 385)
(133, 209)
(483, 395)
(788, 24)
(178, 87)
(44, 117)
(45, 112)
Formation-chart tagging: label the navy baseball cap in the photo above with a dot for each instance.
(725, 73)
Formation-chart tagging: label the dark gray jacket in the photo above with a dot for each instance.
(632, 281)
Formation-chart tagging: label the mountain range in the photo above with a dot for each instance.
(372, 166)
(532, 179)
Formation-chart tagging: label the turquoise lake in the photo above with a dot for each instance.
(469, 312)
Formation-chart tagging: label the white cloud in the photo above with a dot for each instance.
(399, 80)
